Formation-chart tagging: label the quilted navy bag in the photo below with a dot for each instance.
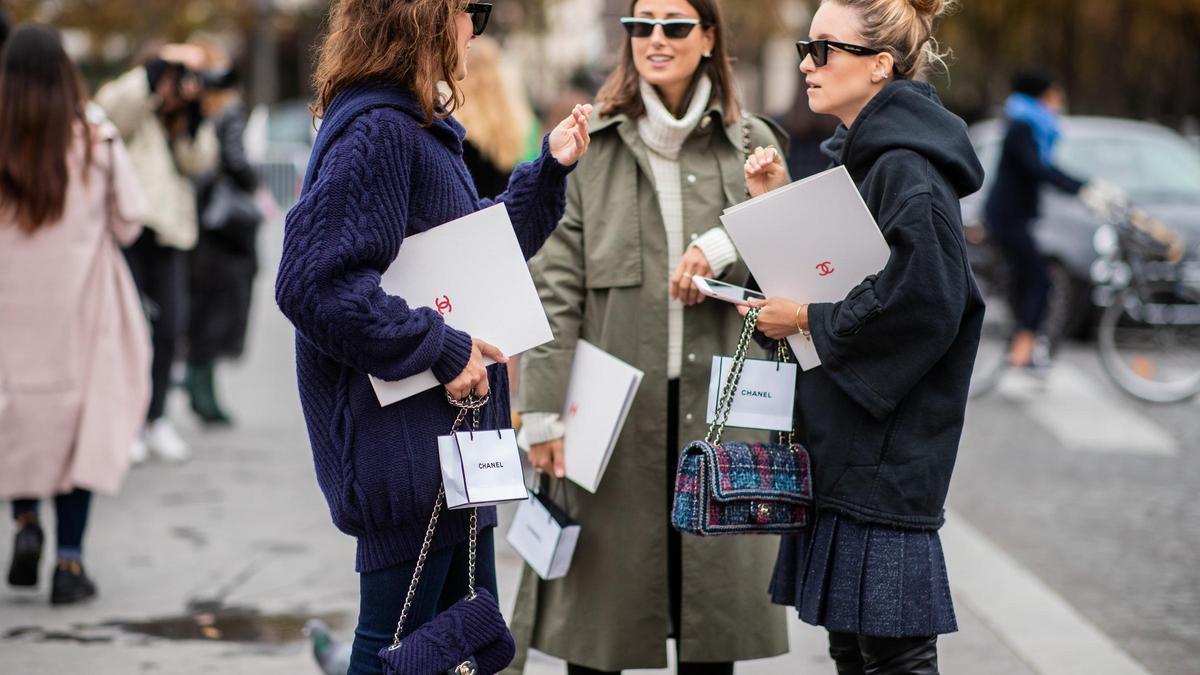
(742, 488)
(470, 637)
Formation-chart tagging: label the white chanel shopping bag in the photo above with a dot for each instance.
(545, 536)
(481, 468)
(764, 397)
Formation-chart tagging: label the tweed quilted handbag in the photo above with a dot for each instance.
(742, 488)
(469, 638)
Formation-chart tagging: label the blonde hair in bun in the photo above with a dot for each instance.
(905, 29)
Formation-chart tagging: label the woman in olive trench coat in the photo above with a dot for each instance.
(603, 277)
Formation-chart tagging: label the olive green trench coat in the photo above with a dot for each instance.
(603, 277)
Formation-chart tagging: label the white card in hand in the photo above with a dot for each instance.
(812, 241)
(765, 394)
(481, 468)
(472, 271)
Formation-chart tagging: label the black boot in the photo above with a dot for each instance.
(27, 555)
(899, 656)
(71, 584)
(203, 393)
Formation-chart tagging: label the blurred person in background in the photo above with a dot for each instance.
(223, 265)
(642, 218)
(388, 164)
(157, 109)
(501, 128)
(882, 418)
(1026, 164)
(807, 131)
(74, 351)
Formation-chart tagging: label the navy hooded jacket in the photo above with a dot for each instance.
(883, 416)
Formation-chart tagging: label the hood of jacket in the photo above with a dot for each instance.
(909, 115)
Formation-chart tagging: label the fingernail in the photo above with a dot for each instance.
(559, 473)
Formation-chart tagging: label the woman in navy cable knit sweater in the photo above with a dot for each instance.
(387, 164)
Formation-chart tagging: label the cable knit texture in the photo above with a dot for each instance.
(375, 176)
(469, 629)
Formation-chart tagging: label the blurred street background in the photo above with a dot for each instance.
(1085, 564)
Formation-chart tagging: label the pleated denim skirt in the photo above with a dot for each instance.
(851, 577)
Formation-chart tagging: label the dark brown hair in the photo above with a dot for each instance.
(621, 94)
(412, 43)
(42, 98)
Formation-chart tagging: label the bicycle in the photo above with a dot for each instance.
(1148, 339)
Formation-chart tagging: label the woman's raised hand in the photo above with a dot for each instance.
(474, 378)
(570, 138)
(765, 171)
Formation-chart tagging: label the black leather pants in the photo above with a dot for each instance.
(864, 655)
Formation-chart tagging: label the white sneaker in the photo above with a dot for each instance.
(139, 452)
(166, 443)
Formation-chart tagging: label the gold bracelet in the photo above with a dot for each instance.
(804, 333)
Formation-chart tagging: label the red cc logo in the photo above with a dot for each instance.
(825, 268)
(443, 305)
(573, 410)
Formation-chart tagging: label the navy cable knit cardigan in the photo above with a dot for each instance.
(375, 176)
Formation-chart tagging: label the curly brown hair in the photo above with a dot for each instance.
(412, 43)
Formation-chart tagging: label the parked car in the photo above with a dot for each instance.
(1157, 167)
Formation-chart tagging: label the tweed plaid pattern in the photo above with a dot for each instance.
(742, 488)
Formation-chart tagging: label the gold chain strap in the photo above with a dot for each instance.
(470, 405)
(725, 404)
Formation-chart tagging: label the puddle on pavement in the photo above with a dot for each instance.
(42, 635)
(203, 621)
(211, 622)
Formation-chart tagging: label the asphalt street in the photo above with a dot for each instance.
(1072, 541)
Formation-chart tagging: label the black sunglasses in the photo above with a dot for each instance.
(674, 29)
(819, 50)
(481, 13)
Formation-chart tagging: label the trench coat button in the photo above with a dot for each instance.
(691, 179)
(691, 358)
(688, 417)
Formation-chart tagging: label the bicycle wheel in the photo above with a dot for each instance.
(992, 359)
(1151, 346)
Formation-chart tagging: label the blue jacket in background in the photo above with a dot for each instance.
(376, 176)
(1022, 170)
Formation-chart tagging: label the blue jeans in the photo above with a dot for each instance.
(443, 583)
(71, 510)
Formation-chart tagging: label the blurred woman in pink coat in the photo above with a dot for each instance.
(74, 349)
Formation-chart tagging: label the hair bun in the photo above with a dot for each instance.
(930, 8)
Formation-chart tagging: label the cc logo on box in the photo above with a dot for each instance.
(444, 305)
(825, 268)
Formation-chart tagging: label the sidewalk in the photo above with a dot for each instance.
(238, 543)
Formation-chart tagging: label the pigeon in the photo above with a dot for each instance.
(332, 656)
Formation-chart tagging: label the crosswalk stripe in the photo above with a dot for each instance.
(1079, 413)
(1039, 625)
